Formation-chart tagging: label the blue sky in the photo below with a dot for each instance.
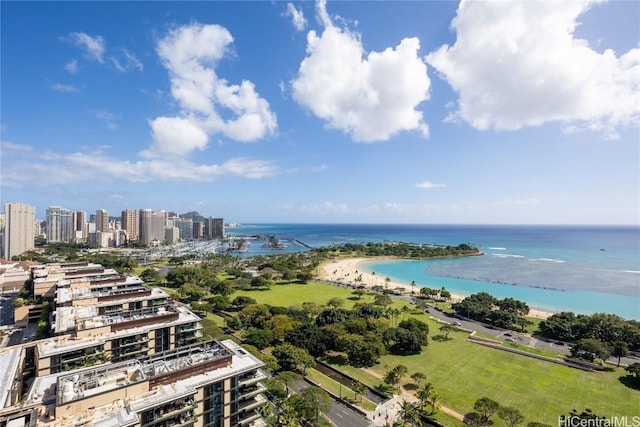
(372, 112)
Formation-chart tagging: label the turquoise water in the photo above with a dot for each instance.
(552, 300)
(585, 269)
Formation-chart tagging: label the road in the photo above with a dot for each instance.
(339, 414)
(560, 348)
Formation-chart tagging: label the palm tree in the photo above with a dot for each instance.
(408, 413)
(413, 285)
(423, 395)
(386, 282)
(358, 389)
(417, 377)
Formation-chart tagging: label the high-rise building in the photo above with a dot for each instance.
(19, 229)
(158, 221)
(60, 227)
(144, 229)
(214, 228)
(130, 222)
(80, 226)
(102, 220)
(198, 230)
(185, 225)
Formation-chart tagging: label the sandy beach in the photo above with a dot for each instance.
(348, 270)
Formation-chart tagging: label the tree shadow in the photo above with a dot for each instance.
(440, 338)
(410, 386)
(630, 381)
(336, 359)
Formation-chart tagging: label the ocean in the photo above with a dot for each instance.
(585, 269)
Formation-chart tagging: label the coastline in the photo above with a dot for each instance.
(347, 269)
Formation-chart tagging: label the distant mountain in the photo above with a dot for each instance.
(194, 215)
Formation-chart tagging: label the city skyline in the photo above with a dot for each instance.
(345, 112)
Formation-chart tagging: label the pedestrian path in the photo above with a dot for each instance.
(387, 412)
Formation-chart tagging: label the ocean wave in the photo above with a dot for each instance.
(508, 256)
(559, 261)
(631, 271)
(499, 249)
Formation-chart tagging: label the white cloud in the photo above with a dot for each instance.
(71, 66)
(297, 17)
(175, 136)
(517, 64)
(190, 54)
(59, 87)
(429, 185)
(127, 61)
(94, 47)
(23, 167)
(368, 96)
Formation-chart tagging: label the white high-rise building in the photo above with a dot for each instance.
(19, 229)
(60, 227)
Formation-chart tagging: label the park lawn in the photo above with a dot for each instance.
(462, 372)
(297, 293)
(334, 387)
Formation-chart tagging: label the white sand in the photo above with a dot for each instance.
(348, 270)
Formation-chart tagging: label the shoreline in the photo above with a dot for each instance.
(348, 269)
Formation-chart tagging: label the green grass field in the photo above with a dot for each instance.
(463, 372)
(296, 294)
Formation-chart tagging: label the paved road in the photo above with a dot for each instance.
(522, 339)
(339, 414)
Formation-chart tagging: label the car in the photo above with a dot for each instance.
(559, 343)
(509, 339)
(507, 334)
(455, 322)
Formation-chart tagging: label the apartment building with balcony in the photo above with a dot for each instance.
(204, 384)
(124, 354)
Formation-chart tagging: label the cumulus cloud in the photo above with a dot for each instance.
(297, 17)
(369, 96)
(94, 47)
(25, 167)
(191, 54)
(429, 185)
(518, 64)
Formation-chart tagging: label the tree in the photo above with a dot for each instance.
(280, 324)
(445, 294)
(151, 275)
(619, 350)
(383, 300)
(259, 338)
(317, 399)
(413, 285)
(409, 414)
(359, 388)
(634, 369)
(447, 329)
(486, 408)
(287, 379)
(291, 358)
(395, 374)
(336, 302)
(307, 336)
(418, 377)
(511, 416)
(359, 293)
(589, 349)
